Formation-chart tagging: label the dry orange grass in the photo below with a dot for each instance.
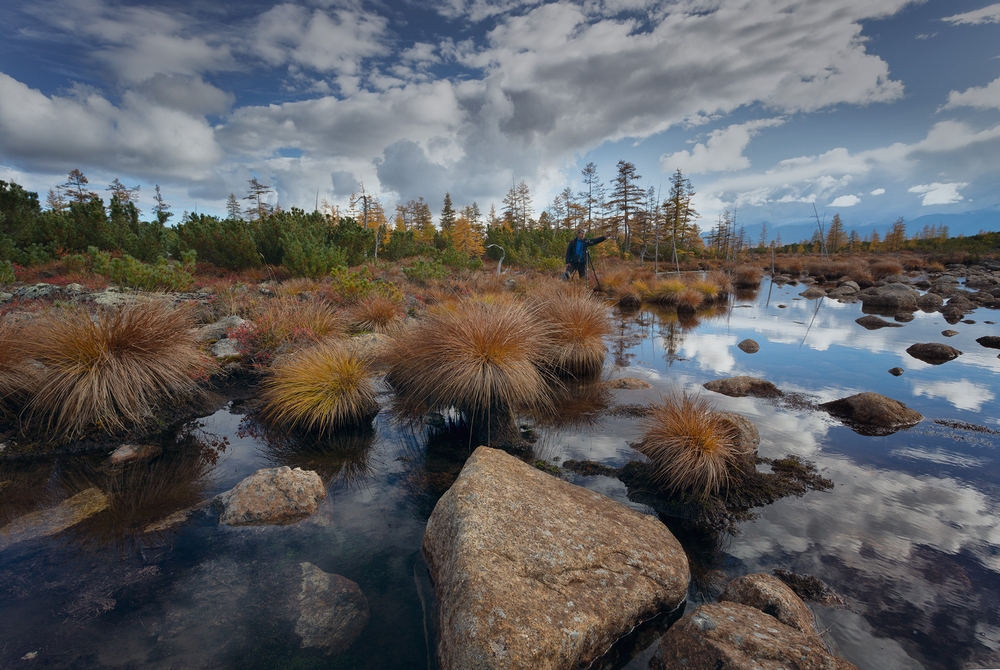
(578, 323)
(935, 267)
(111, 368)
(886, 268)
(722, 281)
(297, 286)
(747, 276)
(708, 289)
(690, 447)
(377, 314)
(689, 300)
(480, 359)
(666, 292)
(319, 389)
(16, 372)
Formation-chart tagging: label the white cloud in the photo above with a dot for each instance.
(988, 14)
(939, 194)
(723, 152)
(878, 191)
(963, 394)
(139, 137)
(978, 97)
(845, 201)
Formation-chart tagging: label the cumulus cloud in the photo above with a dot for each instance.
(878, 191)
(963, 394)
(139, 136)
(845, 201)
(978, 97)
(723, 152)
(938, 193)
(988, 14)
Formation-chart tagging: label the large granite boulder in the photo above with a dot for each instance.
(772, 596)
(271, 496)
(890, 298)
(332, 610)
(742, 386)
(736, 637)
(934, 353)
(873, 414)
(534, 572)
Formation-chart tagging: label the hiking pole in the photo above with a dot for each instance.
(596, 278)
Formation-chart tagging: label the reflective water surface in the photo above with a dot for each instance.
(909, 536)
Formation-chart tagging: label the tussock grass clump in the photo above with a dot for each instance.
(111, 368)
(578, 325)
(722, 281)
(690, 446)
(16, 372)
(666, 292)
(377, 314)
(886, 268)
(747, 276)
(689, 300)
(709, 290)
(287, 321)
(789, 266)
(480, 359)
(320, 389)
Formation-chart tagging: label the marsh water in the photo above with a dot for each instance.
(909, 536)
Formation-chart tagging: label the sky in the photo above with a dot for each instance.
(873, 109)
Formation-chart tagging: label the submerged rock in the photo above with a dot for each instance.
(872, 322)
(934, 353)
(873, 414)
(534, 572)
(949, 333)
(813, 292)
(271, 496)
(742, 386)
(736, 637)
(332, 610)
(627, 384)
(896, 372)
(749, 346)
(56, 519)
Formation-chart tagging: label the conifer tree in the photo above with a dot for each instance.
(76, 186)
(161, 207)
(835, 237)
(233, 208)
(447, 216)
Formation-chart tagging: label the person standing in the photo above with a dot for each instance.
(576, 253)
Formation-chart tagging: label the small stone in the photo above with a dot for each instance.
(813, 292)
(895, 372)
(627, 384)
(29, 656)
(934, 353)
(133, 452)
(749, 346)
(782, 306)
(949, 333)
(225, 349)
(742, 386)
(903, 317)
(271, 496)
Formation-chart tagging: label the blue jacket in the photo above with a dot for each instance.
(577, 253)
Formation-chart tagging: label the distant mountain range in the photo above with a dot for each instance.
(963, 223)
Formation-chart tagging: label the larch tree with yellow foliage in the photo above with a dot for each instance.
(466, 238)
